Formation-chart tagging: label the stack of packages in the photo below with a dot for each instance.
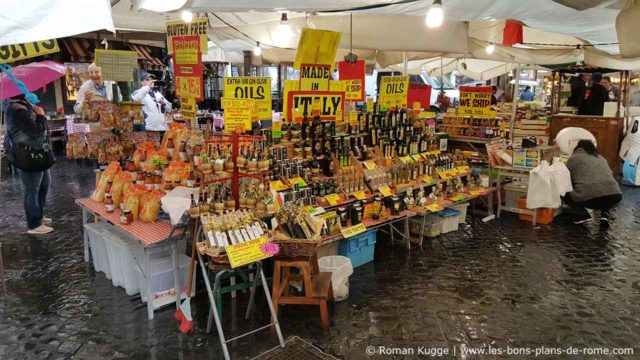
(531, 123)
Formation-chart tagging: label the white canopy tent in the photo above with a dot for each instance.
(27, 21)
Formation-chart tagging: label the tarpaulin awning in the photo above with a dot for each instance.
(34, 20)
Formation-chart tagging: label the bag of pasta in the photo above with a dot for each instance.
(118, 187)
(108, 175)
(150, 206)
(132, 199)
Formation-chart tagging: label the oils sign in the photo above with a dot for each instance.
(251, 88)
(11, 53)
(393, 91)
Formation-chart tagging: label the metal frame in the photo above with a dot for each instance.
(170, 243)
(213, 308)
(513, 173)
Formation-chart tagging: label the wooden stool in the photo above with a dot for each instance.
(317, 286)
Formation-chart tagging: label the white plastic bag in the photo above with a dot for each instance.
(543, 190)
(562, 176)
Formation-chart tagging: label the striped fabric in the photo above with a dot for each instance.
(144, 55)
(79, 49)
(146, 233)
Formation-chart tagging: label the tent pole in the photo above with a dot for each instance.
(405, 63)
(514, 109)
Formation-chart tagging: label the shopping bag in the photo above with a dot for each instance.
(630, 173)
(562, 176)
(543, 190)
(630, 147)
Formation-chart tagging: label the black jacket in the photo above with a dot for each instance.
(594, 99)
(578, 88)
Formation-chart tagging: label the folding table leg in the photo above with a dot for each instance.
(216, 294)
(85, 235)
(176, 273)
(147, 273)
(274, 316)
(252, 297)
(406, 232)
(212, 302)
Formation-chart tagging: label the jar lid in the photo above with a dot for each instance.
(126, 211)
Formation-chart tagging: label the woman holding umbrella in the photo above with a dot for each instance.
(26, 126)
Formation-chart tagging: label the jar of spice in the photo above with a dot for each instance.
(126, 217)
(108, 203)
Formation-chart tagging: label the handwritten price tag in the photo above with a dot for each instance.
(247, 252)
(459, 197)
(278, 185)
(370, 165)
(406, 159)
(429, 180)
(434, 207)
(446, 175)
(353, 230)
(333, 199)
(464, 169)
(478, 192)
(385, 191)
(360, 195)
(298, 180)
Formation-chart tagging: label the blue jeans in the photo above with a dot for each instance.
(36, 186)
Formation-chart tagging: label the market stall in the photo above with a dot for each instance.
(607, 129)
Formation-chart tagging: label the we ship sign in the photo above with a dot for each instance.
(475, 101)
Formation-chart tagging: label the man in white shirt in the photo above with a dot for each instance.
(95, 89)
(154, 105)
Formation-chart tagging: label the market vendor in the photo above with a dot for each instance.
(594, 98)
(96, 89)
(154, 105)
(578, 88)
(614, 91)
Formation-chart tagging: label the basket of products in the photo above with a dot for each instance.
(298, 233)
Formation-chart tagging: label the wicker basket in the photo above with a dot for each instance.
(294, 248)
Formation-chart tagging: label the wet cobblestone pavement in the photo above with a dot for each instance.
(494, 284)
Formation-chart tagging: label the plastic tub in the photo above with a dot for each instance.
(449, 220)
(432, 225)
(98, 247)
(543, 215)
(161, 277)
(340, 268)
(360, 249)
(462, 218)
(121, 261)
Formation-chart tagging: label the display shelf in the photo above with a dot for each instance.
(446, 203)
(474, 140)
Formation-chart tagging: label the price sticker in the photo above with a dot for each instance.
(370, 165)
(278, 185)
(446, 175)
(429, 180)
(370, 105)
(298, 180)
(458, 197)
(385, 190)
(360, 195)
(417, 106)
(353, 230)
(333, 199)
(434, 207)
(353, 118)
(406, 159)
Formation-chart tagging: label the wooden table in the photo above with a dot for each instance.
(149, 235)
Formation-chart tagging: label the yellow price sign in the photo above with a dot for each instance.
(394, 90)
(188, 109)
(385, 190)
(278, 185)
(454, 172)
(446, 175)
(464, 169)
(257, 89)
(289, 85)
(417, 106)
(406, 159)
(353, 230)
(247, 252)
(276, 129)
(427, 115)
(317, 47)
(298, 180)
(11, 53)
(370, 105)
(360, 195)
(478, 192)
(333, 199)
(353, 118)
(434, 207)
(370, 165)
(197, 26)
(189, 86)
(237, 114)
(429, 180)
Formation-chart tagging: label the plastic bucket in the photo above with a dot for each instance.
(340, 269)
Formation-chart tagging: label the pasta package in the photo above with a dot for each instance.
(132, 199)
(117, 189)
(107, 176)
(150, 206)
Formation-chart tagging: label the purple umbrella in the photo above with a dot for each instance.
(35, 76)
